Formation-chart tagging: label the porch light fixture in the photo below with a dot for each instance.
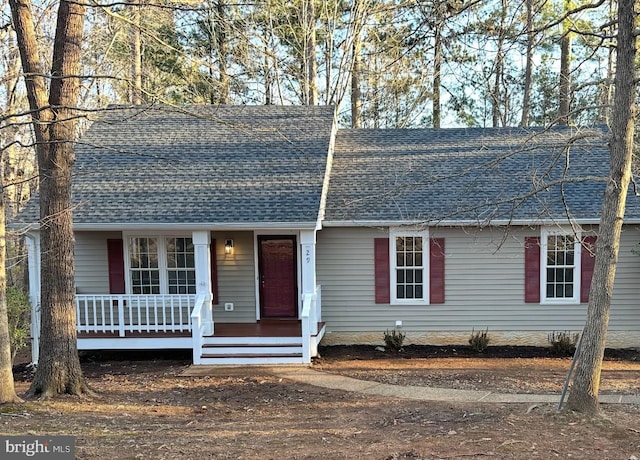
(228, 246)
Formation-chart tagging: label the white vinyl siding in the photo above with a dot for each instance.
(484, 281)
(91, 261)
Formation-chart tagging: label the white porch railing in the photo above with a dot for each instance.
(310, 317)
(202, 325)
(124, 313)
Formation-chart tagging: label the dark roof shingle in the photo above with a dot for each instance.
(230, 165)
(469, 175)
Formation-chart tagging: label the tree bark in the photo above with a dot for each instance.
(268, 84)
(356, 95)
(136, 54)
(310, 93)
(584, 393)
(565, 72)
(54, 123)
(526, 90)
(437, 69)
(496, 95)
(606, 91)
(222, 45)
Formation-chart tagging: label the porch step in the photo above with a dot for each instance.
(251, 350)
(230, 360)
(250, 341)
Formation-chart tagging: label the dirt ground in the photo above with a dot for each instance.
(499, 369)
(145, 409)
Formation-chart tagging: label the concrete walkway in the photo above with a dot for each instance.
(310, 376)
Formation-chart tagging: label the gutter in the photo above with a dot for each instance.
(466, 223)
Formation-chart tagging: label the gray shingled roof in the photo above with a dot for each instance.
(231, 165)
(468, 175)
(252, 165)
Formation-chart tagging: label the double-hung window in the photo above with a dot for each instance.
(161, 265)
(409, 257)
(560, 262)
(144, 266)
(181, 271)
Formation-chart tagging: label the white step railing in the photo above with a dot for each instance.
(202, 325)
(124, 313)
(310, 317)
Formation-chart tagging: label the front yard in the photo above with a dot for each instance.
(145, 409)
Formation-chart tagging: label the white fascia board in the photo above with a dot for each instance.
(24, 227)
(213, 226)
(327, 172)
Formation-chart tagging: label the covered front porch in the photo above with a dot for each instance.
(218, 331)
(139, 322)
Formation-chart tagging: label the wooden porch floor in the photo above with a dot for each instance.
(264, 328)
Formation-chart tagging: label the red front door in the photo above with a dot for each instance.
(278, 280)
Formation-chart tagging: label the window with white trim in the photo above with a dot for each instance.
(161, 265)
(181, 266)
(560, 262)
(144, 268)
(409, 266)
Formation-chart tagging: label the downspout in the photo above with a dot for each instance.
(33, 256)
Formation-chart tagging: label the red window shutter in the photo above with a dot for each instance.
(381, 262)
(587, 262)
(214, 272)
(436, 270)
(115, 259)
(532, 269)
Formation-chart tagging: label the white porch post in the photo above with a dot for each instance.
(201, 246)
(33, 258)
(309, 314)
(308, 243)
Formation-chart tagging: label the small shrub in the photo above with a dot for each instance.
(563, 343)
(19, 313)
(479, 341)
(394, 340)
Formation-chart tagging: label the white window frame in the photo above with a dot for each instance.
(161, 239)
(577, 268)
(426, 250)
(130, 269)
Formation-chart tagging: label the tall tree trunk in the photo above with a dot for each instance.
(59, 367)
(565, 71)
(496, 94)
(374, 83)
(268, 84)
(437, 71)
(526, 89)
(356, 95)
(221, 39)
(310, 92)
(7, 388)
(606, 91)
(584, 393)
(136, 54)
